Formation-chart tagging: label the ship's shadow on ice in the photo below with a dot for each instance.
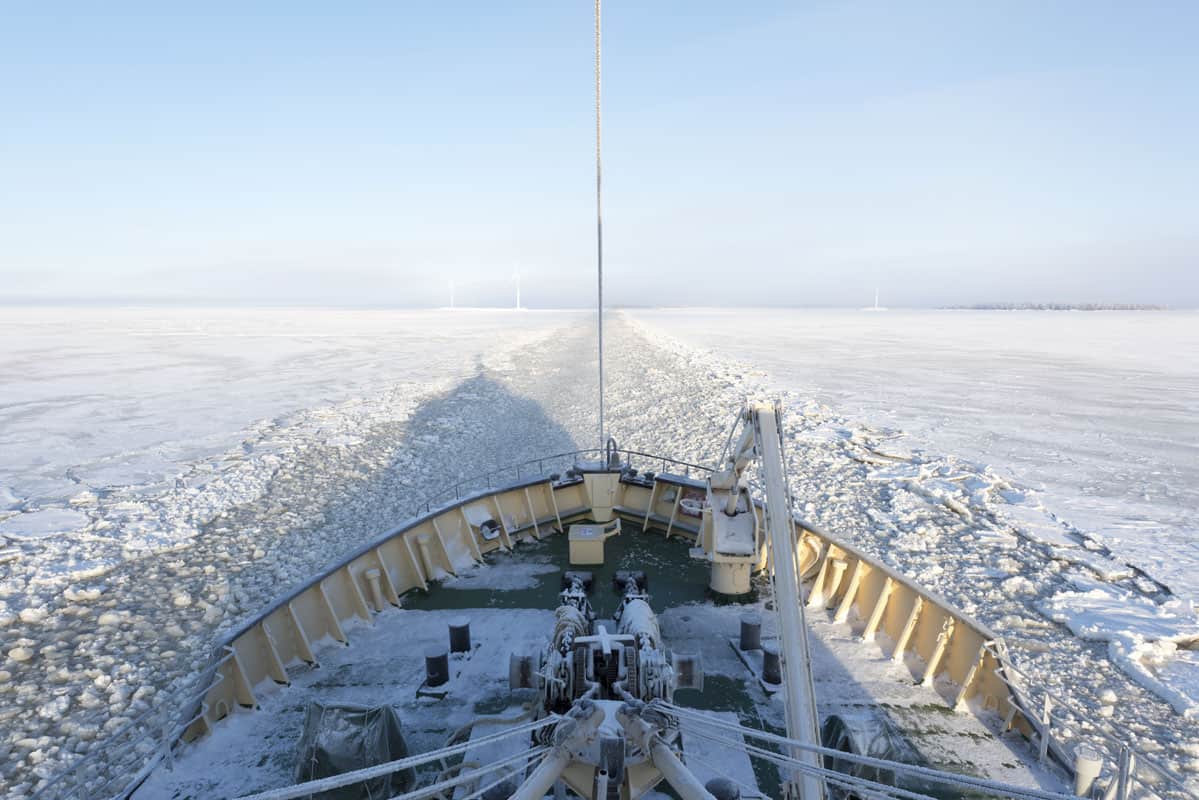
(479, 426)
(478, 434)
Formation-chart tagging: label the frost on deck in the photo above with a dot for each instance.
(510, 606)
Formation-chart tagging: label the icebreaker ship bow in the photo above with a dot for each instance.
(613, 646)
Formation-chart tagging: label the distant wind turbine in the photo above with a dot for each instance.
(876, 306)
(451, 294)
(516, 277)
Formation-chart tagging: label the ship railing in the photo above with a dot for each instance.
(852, 774)
(1127, 773)
(543, 467)
(128, 754)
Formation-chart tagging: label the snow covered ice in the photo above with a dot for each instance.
(1097, 412)
(166, 473)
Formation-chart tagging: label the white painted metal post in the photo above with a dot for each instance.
(681, 779)
(1046, 724)
(645, 736)
(575, 732)
(803, 724)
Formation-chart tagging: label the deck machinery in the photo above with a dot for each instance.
(607, 682)
(601, 680)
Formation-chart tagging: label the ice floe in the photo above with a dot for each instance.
(1149, 639)
(36, 524)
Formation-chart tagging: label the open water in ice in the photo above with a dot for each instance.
(164, 473)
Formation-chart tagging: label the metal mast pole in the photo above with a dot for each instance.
(799, 699)
(599, 228)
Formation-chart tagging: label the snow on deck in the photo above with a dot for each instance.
(852, 676)
(255, 750)
(708, 759)
(384, 665)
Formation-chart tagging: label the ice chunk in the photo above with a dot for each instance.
(1145, 638)
(43, 522)
(1035, 523)
(1106, 568)
(1166, 668)
(20, 654)
(1100, 611)
(7, 498)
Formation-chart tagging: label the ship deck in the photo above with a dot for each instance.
(509, 602)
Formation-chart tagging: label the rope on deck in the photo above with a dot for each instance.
(465, 777)
(932, 775)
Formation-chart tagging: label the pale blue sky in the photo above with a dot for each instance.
(755, 153)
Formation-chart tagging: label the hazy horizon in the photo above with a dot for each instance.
(214, 303)
(946, 154)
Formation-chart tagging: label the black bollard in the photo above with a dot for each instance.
(751, 632)
(723, 789)
(437, 665)
(501, 791)
(460, 635)
(772, 668)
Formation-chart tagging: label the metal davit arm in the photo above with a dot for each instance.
(799, 694)
(574, 733)
(645, 736)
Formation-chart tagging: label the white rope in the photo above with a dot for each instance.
(379, 770)
(829, 775)
(865, 760)
(464, 777)
(893, 766)
(482, 790)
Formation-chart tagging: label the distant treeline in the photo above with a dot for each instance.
(1060, 307)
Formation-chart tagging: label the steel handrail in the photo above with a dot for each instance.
(1023, 697)
(952, 779)
(430, 502)
(68, 778)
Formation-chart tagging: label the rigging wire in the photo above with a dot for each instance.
(935, 776)
(599, 228)
(379, 770)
